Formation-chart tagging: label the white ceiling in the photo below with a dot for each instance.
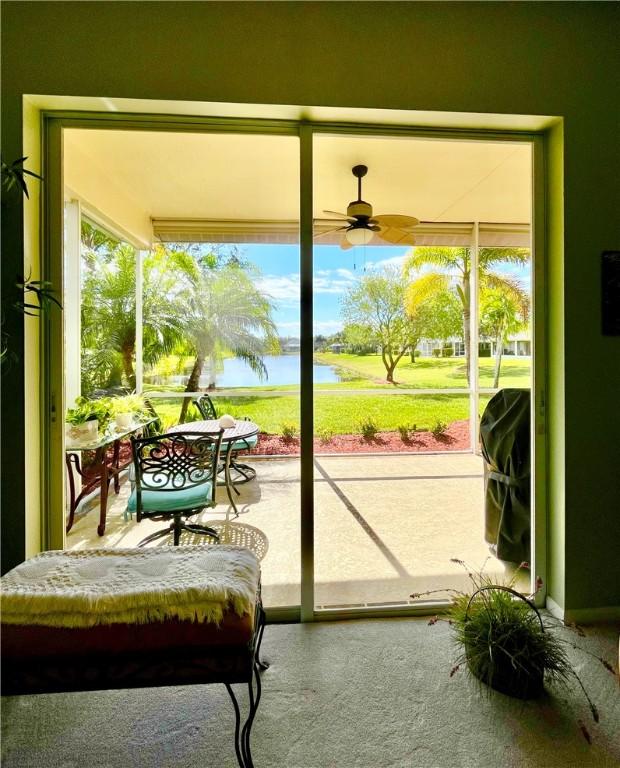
(130, 177)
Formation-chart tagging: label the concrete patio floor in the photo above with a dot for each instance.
(385, 526)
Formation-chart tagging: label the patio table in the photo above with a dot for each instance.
(241, 431)
(106, 466)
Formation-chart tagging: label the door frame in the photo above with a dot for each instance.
(52, 336)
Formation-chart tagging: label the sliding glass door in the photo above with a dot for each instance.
(411, 261)
(340, 288)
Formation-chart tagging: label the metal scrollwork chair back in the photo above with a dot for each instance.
(206, 407)
(175, 479)
(242, 473)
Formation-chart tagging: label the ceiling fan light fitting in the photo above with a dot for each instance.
(359, 235)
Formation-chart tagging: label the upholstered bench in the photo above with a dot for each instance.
(132, 618)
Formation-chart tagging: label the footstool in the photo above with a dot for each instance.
(131, 618)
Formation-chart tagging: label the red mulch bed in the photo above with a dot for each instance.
(456, 438)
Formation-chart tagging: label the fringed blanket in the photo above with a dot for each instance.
(110, 586)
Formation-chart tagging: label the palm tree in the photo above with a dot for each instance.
(455, 273)
(228, 314)
(500, 316)
(109, 312)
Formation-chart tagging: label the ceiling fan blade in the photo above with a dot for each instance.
(336, 213)
(395, 236)
(330, 231)
(396, 221)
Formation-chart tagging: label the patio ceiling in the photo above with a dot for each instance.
(243, 187)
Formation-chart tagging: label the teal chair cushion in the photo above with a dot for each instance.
(245, 444)
(172, 501)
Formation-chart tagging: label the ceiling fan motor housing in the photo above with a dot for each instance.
(359, 208)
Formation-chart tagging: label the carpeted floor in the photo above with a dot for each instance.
(371, 693)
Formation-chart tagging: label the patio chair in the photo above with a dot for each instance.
(174, 477)
(243, 472)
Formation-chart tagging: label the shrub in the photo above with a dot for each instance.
(447, 351)
(436, 353)
(325, 434)
(289, 432)
(439, 428)
(405, 431)
(368, 428)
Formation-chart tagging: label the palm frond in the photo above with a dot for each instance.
(454, 259)
(490, 257)
(511, 286)
(425, 287)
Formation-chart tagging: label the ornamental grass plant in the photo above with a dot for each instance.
(503, 640)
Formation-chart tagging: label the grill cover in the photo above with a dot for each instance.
(505, 441)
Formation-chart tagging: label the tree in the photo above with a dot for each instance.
(228, 314)
(501, 315)
(108, 311)
(455, 273)
(375, 308)
(439, 317)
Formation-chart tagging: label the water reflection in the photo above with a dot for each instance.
(281, 369)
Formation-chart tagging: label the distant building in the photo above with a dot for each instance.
(290, 346)
(336, 348)
(519, 345)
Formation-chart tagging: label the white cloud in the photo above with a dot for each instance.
(332, 285)
(393, 261)
(327, 326)
(287, 287)
(346, 273)
(279, 286)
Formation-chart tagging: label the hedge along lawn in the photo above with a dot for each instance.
(429, 372)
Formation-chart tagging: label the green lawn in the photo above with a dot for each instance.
(429, 372)
(338, 414)
(343, 414)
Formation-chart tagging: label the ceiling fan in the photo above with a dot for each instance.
(361, 226)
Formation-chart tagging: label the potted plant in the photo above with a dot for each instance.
(504, 641)
(127, 409)
(88, 418)
(33, 297)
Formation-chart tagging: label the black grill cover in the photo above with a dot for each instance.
(505, 441)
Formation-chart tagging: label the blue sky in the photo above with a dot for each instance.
(334, 272)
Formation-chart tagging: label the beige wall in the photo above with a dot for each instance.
(516, 58)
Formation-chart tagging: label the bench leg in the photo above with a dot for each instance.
(233, 698)
(245, 733)
(261, 629)
(242, 734)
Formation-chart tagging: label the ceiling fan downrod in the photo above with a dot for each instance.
(359, 171)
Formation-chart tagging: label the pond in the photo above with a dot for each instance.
(281, 369)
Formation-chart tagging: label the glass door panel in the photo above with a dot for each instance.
(215, 312)
(505, 365)
(398, 479)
